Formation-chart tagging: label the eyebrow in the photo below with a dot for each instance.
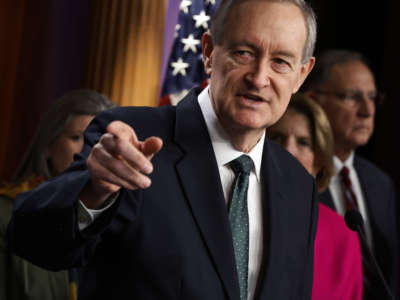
(286, 54)
(244, 43)
(360, 91)
(283, 53)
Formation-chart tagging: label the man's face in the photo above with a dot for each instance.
(257, 66)
(352, 119)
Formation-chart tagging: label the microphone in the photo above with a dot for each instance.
(355, 222)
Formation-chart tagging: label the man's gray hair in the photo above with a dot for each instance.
(220, 16)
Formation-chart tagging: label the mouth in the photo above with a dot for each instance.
(252, 97)
(363, 128)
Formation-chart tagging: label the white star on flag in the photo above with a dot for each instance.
(201, 20)
(190, 43)
(184, 69)
(179, 67)
(184, 6)
(177, 28)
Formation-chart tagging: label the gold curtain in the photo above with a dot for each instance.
(126, 50)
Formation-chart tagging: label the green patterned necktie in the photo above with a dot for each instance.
(239, 219)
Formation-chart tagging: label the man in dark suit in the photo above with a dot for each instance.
(150, 207)
(344, 85)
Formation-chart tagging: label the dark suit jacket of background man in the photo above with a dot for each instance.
(379, 194)
(172, 240)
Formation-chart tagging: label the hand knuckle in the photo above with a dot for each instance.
(96, 149)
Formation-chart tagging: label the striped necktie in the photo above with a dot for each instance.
(348, 192)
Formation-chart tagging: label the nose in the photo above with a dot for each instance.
(290, 146)
(366, 107)
(258, 76)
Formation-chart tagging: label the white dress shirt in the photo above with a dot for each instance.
(336, 189)
(225, 153)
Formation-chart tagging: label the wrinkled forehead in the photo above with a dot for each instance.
(268, 24)
(242, 4)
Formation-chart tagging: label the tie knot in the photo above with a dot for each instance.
(344, 172)
(242, 164)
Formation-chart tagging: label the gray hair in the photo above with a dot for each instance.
(225, 7)
(326, 61)
(62, 110)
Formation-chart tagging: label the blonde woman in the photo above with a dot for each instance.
(305, 132)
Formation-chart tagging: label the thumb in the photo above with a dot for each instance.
(151, 146)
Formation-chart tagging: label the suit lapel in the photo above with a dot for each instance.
(367, 182)
(276, 216)
(369, 189)
(201, 184)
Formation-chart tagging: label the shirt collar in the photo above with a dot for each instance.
(338, 164)
(223, 149)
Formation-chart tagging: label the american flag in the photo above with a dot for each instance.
(185, 67)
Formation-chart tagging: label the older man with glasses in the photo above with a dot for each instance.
(344, 85)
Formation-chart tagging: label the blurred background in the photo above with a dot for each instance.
(121, 48)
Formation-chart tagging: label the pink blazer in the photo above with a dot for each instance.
(337, 259)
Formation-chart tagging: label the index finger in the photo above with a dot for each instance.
(123, 131)
(124, 145)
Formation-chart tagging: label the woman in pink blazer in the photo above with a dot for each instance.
(304, 131)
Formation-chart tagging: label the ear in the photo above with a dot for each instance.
(313, 95)
(305, 69)
(207, 47)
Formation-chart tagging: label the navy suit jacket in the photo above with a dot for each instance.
(380, 201)
(172, 240)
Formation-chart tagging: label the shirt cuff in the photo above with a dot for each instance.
(86, 216)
